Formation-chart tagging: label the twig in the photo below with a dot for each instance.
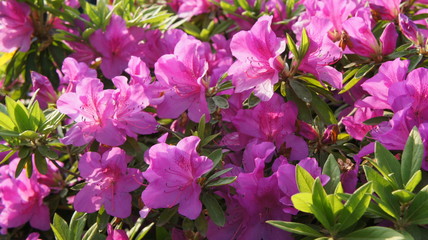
(65, 170)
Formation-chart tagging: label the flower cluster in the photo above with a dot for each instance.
(213, 119)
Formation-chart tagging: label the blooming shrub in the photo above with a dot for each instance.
(221, 119)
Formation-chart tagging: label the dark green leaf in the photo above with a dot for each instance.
(364, 70)
(201, 127)
(166, 215)
(222, 181)
(218, 174)
(215, 211)
(221, 102)
(388, 163)
(208, 139)
(331, 168)
(411, 159)
(301, 91)
(21, 166)
(41, 163)
(216, 156)
(414, 61)
(376, 120)
(375, 233)
(417, 213)
(102, 219)
(295, 227)
(323, 110)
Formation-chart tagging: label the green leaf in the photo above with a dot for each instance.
(77, 224)
(302, 202)
(37, 117)
(47, 152)
(102, 219)
(18, 114)
(24, 152)
(144, 232)
(387, 202)
(216, 156)
(331, 168)
(60, 228)
(29, 134)
(6, 133)
(215, 211)
(411, 159)
(364, 70)
(295, 227)
(350, 84)
(403, 195)
(323, 110)
(301, 91)
(6, 122)
(8, 155)
(336, 204)
(201, 127)
(417, 212)
(244, 4)
(321, 207)
(304, 180)
(222, 181)
(356, 206)
(40, 161)
(414, 61)
(52, 120)
(221, 102)
(374, 233)
(21, 165)
(292, 46)
(166, 215)
(388, 163)
(376, 120)
(208, 139)
(414, 181)
(218, 174)
(304, 43)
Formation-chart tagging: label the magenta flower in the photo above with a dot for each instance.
(109, 183)
(116, 45)
(115, 234)
(16, 26)
(73, 72)
(173, 176)
(46, 92)
(258, 63)
(130, 100)
(190, 8)
(378, 86)
(21, 199)
(183, 72)
(385, 9)
(92, 108)
(354, 124)
(364, 43)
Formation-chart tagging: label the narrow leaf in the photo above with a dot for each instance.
(215, 211)
(295, 227)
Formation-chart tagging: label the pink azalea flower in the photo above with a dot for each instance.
(116, 45)
(258, 64)
(184, 73)
(189, 8)
(16, 26)
(130, 100)
(33, 236)
(115, 234)
(140, 75)
(91, 107)
(364, 43)
(257, 200)
(386, 9)
(322, 52)
(378, 86)
(354, 124)
(173, 176)
(109, 183)
(73, 72)
(46, 92)
(156, 44)
(21, 199)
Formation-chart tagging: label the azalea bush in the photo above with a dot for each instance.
(213, 119)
